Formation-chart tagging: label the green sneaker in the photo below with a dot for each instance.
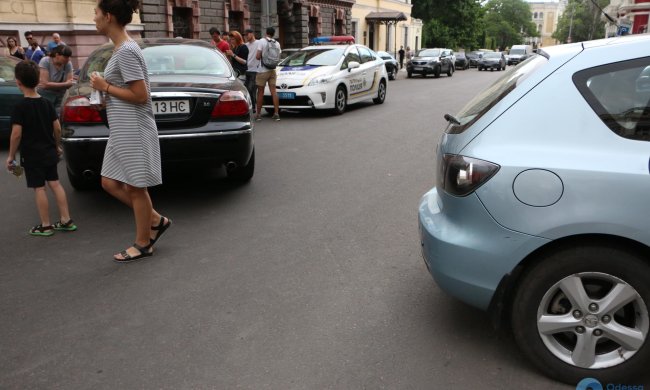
(40, 230)
(68, 226)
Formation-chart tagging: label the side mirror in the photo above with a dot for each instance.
(353, 65)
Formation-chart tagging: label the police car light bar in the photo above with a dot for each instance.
(334, 39)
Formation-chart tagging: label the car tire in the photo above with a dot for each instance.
(340, 100)
(436, 72)
(80, 183)
(409, 75)
(450, 71)
(243, 174)
(381, 93)
(570, 288)
(391, 75)
(480, 69)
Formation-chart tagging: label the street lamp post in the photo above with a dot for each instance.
(569, 39)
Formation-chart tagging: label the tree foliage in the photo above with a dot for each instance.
(508, 22)
(582, 19)
(450, 23)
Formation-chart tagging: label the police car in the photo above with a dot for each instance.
(329, 77)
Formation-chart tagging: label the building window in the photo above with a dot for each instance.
(535, 15)
(539, 28)
(182, 21)
(313, 28)
(355, 30)
(541, 15)
(338, 27)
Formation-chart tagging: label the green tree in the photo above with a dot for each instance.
(581, 21)
(450, 23)
(508, 22)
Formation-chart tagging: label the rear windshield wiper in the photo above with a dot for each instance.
(452, 119)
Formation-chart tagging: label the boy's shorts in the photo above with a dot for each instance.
(262, 78)
(37, 176)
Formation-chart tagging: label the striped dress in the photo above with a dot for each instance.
(132, 153)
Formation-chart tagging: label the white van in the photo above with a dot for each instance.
(519, 53)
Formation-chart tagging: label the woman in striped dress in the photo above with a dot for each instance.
(132, 157)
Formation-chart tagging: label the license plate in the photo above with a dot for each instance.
(417, 68)
(168, 107)
(286, 95)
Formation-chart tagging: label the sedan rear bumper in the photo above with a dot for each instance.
(86, 154)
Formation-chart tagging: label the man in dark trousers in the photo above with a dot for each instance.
(401, 57)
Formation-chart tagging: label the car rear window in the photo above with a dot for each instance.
(619, 93)
(489, 97)
(7, 67)
(167, 59)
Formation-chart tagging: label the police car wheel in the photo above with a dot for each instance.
(340, 100)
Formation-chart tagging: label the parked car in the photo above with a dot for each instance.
(474, 57)
(519, 53)
(431, 61)
(9, 94)
(492, 60)
(545, 222)
(462, 62)
(329, 77)
(203, 113)
(392, 66)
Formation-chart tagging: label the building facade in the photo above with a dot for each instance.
(631, 17)
(386, 25)
(72, 19)
(379, 24)
(545, 16)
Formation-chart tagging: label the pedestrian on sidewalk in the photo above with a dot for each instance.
(56, 41)
(36, 130)
(217, 41)
(34, 51)
(15, 49)
(56, 75)
(132, 157)
(401, 57)
(238, 55)
(253, 65)
(268, 52)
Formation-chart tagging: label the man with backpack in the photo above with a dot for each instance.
(268, 52)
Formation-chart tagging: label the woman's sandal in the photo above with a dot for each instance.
(161, 228)
(145, 251)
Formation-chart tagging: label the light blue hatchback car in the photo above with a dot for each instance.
(541, 210)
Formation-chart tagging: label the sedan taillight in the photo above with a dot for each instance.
(460, 176)
(231, 103)
(78, 110)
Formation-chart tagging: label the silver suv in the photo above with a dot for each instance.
(431, 61)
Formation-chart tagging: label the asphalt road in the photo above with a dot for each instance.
(309, 277)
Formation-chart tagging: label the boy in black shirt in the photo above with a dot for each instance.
(36, 129)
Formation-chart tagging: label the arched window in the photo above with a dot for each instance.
(535, 15)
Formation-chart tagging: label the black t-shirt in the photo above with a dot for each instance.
(37, 145)
(240, 51)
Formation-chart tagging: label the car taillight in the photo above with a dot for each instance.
(231, 103)
(460, 175)
(78, 110)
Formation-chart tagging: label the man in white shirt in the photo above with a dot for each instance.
(253, 66)
(264, 76)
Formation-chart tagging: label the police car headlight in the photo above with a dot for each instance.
(320, 80)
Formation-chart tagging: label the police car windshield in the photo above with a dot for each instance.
(314, 57)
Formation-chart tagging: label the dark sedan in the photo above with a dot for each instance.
(9, 94)
(474, 57)
(203, 113)
(462, 62)
(492, 60)
(391, 64)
